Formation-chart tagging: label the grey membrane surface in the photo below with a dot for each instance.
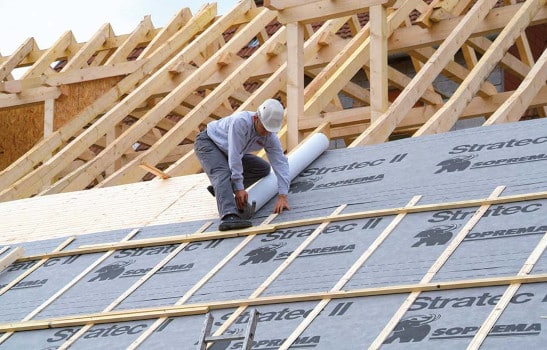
(457, 166)
(454, 166)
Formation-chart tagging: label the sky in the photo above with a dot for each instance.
(46, 21)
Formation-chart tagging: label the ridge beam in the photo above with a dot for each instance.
(291, 11)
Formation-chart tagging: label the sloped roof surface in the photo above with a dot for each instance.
(371, 247)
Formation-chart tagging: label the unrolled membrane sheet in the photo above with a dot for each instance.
(266, 188)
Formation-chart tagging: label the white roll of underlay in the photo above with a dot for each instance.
(265, 189)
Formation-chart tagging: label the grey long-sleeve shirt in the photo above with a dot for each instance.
(235, 135)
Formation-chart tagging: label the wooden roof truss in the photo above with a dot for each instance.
(189, 73)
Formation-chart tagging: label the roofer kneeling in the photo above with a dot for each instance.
(224, 151)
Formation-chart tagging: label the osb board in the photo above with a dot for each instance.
(22, 127)
(76, 97)
(153, 202)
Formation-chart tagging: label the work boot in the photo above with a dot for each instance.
(211, 190)
(233, 222)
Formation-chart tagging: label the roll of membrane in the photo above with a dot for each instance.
(265, 189)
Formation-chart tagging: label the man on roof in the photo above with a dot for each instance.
(224, 150)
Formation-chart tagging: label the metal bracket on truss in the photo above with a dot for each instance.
(247, 336)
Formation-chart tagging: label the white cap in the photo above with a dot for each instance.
(270, 113)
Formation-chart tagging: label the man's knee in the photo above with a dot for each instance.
(263, 170)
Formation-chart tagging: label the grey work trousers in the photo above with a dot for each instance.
(215, 164)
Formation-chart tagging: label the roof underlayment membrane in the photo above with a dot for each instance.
(376, 252)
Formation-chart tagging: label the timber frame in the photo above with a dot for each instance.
(100, 119)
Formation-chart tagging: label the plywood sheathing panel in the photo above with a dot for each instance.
(20, 129)
(87, 212)
(77, 97)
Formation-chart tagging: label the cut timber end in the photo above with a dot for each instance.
(154, 170)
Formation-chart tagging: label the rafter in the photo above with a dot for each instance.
(343, 67)
(445, 118)
(380, 129)
(276, 81)
(81, 178)
(515, 106)
(85, 53)
(137, 36)
(14, 181)
(42, 65)
(20, 53)
(180, 57)
(191, 121)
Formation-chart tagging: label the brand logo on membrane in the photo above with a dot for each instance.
(436, 235)
(111, 271)
(262, 254)
(412, 329)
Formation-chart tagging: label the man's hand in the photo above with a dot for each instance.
(241, 198)
(281, 203)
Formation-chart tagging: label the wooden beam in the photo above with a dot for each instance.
(154, 170)
(135, 38)
(507, 296)
(178, 21)
(85, 53)
(283, 4)
(434, 269)
(20, 180)
(523, 46)
(29, 97)
(381, 128)
(445, 118)
(409, 38)
(515, 106)
(42, 65)
(321, 10)
(192, 120)
(345, 65)
(265, 229)
(295, 82)
(424, 19)
(202, 308)
(378, 61)
(454, 71)
(20, 53)
(70, 77)
(49, 116)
